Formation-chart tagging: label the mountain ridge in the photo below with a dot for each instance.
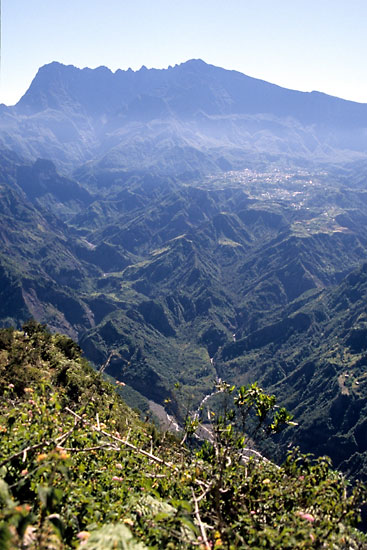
(192, 66)
(189, 119)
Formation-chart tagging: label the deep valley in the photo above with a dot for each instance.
(194, 224)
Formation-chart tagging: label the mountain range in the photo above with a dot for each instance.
(184, 121)
(190, 224)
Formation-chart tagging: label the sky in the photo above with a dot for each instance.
(300, 44)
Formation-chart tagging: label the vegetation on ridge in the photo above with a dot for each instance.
(79, 469)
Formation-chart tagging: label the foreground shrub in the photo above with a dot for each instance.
(78, 469)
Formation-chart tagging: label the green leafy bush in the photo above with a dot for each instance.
(78, 469)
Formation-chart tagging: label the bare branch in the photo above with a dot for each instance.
(200, 523)
(122, 441)
(58, 441)
(106, 446)
(25, 451)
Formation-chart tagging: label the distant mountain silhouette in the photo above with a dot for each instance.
(189, 118)
(181, 91)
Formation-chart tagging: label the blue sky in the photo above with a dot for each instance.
(300, 44)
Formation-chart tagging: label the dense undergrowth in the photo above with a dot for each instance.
(78, 469)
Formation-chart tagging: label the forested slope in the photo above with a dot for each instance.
(79, 469)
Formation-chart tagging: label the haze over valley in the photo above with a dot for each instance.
(193, 224)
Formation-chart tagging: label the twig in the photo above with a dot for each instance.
(205, 492)
(107, 446)
(202, 484)
(63, 437)
(122, 441)
(200, 523)
(246, 457)
(58, 441)
(25, 451)
(23, 478)
(106, 364)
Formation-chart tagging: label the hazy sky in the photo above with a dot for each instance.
(300, 44)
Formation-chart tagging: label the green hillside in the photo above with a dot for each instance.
(314, 359)
(78, 469)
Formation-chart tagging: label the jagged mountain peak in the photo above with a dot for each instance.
(193, 118)
(188, 87)
(198, 64)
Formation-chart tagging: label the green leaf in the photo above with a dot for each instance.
(113, 537)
